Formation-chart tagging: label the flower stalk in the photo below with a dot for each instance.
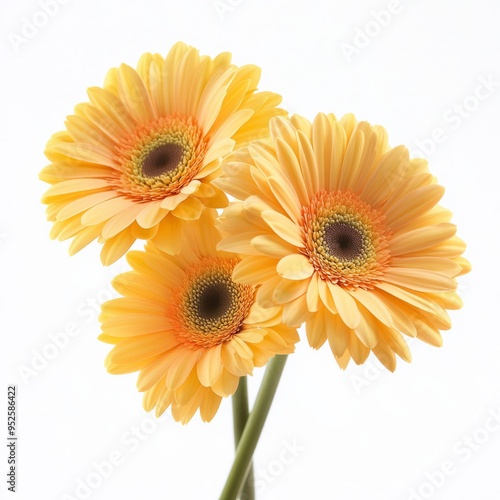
(241, 412)
(253, 429)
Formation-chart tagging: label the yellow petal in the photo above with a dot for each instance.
(254, 270)
(286, 197)
(446, 267)
(316, 329)
(288, 290)
(366, 331)
(189, 209)
(134, 94)
(374, 304)
(182, 364)
(81, 204)
(422, 238)
(346, 306)
(420, 280)
(312, 295)
(116, 247)
(386, 356)
(226, 385)
(271, 245)
(295, 313)
(209, 405)
(358, 350)
(338, 335)
(295, 267)
(290, 164)
(73, 186)
(105, 210)
(209, 366)
(145, 346)
(169, 236)
(412, 205)
(120, 221)
(150, 215)
(326, 296)
(283, 227)
(171, 202)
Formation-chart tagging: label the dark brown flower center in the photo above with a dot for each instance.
(214, 301)
(162, 160)
(209, 308)
(343, 241)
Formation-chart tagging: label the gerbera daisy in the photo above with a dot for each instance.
(344, 232)
(138, 159)
(187, 327)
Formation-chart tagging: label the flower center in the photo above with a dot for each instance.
(209, 307)
(164, 159)
(214, 301)
(345, 239)
(159, 158)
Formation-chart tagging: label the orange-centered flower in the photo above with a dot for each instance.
(187, 327)
(139, 159)
(346, 234)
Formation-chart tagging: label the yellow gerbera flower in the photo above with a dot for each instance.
(187, 327)
(346, 233)
(139, 158)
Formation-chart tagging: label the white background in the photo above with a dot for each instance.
(359, 434)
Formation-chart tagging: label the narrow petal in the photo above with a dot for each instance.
(326, 296)
(283, 227)
(337, 333)
(116, 247)
(419, 279)
(312, 295)
(84, 203)
(180, 367)
(422, 238)
(295, 313)
(412, 205)
(73, 186)
(316, 329)
(209, 366)
(254, 270)
(120, 221)
(288, 290)
(346, 306)
(358, 351)
(374, 304)
(271, 245)
(145, 346)
(150, 215)
(105, 210)
(291, 165)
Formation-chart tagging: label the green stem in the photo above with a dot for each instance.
(253, 429)
(240, 417)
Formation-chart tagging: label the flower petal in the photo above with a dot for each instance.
(295, 267)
